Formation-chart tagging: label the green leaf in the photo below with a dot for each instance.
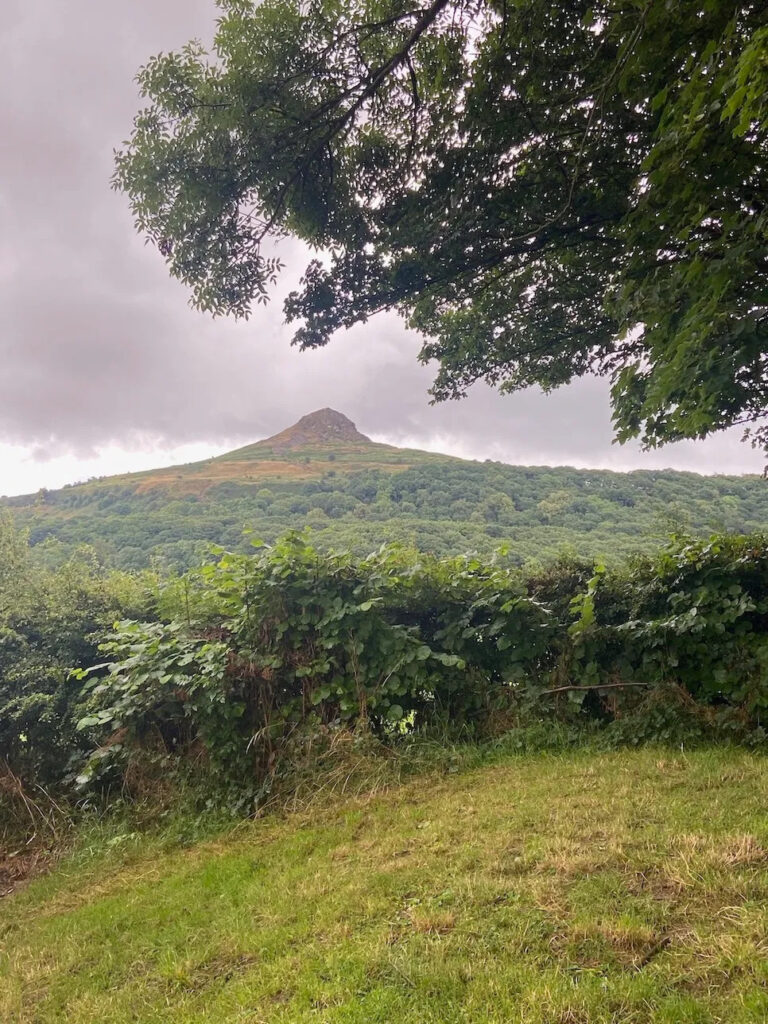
(395, 713)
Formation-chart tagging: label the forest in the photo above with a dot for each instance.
(437, 504)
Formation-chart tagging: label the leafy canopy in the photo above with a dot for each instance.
(543, 190)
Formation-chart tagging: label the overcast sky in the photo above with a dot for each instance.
(104, 365)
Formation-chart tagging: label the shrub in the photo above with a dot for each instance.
(51, 621)
(696, 616)
(262, 648)
(290, 636)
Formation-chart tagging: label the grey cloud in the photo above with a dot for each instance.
(98, 345)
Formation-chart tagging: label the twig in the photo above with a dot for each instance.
(653, 952)
(598, 686)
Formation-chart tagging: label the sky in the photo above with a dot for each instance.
(105, 367)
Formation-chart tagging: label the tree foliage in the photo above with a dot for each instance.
(542, 189)
(437, 504)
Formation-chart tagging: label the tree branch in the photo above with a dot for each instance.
(429, 15)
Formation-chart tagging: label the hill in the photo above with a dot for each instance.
(355, 493)
(622, 887)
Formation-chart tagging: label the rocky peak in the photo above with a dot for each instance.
(326, 426)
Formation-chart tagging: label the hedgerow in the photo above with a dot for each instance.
(259, 649)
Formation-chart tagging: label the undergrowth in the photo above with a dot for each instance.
(260, 654)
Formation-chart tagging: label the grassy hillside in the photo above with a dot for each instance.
(624, 887)
(355, 494)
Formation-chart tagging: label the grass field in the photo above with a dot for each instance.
(547, 889)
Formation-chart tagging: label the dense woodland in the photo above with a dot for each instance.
(438, 505)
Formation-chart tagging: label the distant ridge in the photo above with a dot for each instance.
(355, 493)
(325, 426)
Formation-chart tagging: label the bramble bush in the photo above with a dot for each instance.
(227, 670)
(693, 622)
(290, 639)
(260, 649)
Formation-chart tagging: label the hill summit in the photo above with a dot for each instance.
(325, 426)
(355, 493)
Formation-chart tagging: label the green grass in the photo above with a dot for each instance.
(544, 889)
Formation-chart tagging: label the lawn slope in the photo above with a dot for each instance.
(627, 887)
